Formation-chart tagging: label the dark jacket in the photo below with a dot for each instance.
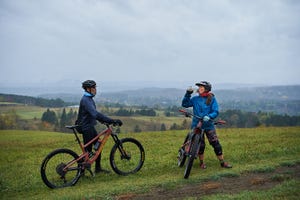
(88, 114)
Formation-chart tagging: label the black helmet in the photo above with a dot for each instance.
(88, 84)
(205, 84)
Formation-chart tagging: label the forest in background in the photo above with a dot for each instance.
(155, 109)
(276, 99)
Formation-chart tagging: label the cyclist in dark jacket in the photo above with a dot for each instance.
(87, 117)
(205, 106)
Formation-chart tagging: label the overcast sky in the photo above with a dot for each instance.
(222, 41)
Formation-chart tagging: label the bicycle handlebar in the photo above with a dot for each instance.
(188, 114)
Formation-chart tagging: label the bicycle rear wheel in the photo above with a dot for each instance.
(59, 169)
(127, 157)
(192, 154)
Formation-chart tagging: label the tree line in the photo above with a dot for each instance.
(26, 100)
(52, 120)
(59, 123)
(233, 118)
(130, 112)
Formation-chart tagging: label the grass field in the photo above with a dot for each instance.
(256, 149)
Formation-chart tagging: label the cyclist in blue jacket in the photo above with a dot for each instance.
(87, 117)
(205, 106)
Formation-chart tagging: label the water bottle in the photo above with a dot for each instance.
(97, 145)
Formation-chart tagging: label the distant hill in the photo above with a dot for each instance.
(277, 99)
(36, 101)
(241, 94)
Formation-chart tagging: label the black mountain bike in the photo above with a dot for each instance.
(190, 147)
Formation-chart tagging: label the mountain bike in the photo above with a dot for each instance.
(63, 167)
(190, 147)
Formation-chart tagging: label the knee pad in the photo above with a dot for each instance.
(217, 148)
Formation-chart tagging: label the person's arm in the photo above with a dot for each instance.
(91, 109)
(214, 109)
(186, 101)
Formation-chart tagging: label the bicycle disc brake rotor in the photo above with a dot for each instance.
(60, 169)
(180, 154)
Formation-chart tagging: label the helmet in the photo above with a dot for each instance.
(88, 84)
(205, 84)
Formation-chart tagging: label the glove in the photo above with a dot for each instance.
(117, 122)
(206, 118)
(190, 91)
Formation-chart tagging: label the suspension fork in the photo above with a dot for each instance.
(120, 146)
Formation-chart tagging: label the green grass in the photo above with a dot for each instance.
(248, 150)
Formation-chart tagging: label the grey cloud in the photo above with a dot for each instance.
(144, 40)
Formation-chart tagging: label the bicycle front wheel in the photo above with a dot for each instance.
(181, 152)
(60, 169)
(127, 157)
(192, 154)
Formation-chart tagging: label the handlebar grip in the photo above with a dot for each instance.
(220, 122)
(182, 110)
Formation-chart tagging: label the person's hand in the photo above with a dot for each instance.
(118, 122)
(206, 118)
(190, 90)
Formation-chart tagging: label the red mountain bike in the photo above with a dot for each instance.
(63, 167)
(190, 147)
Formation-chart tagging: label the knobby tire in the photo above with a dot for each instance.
(192, 154)
(181, 153)
(51, 169)
(127, 157)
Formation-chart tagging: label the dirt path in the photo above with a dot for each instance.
(246, 181)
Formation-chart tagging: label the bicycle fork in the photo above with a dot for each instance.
(124, 155)
(188, 145)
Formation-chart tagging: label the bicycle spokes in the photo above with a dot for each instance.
(60, 169)
(127, 157)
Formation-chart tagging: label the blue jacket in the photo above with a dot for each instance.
(88, 114)
(201, 109)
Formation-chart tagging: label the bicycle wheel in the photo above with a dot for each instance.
(192, 155)
(181, 152)
(52, 169)
(181, 157)
(127, 157)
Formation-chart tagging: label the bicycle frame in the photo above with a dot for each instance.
(126, 157)
(196, 130)
(102, 136)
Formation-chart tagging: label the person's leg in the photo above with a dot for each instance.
(201, 153)
(98, 167)
(214, 142)
(88, 135)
